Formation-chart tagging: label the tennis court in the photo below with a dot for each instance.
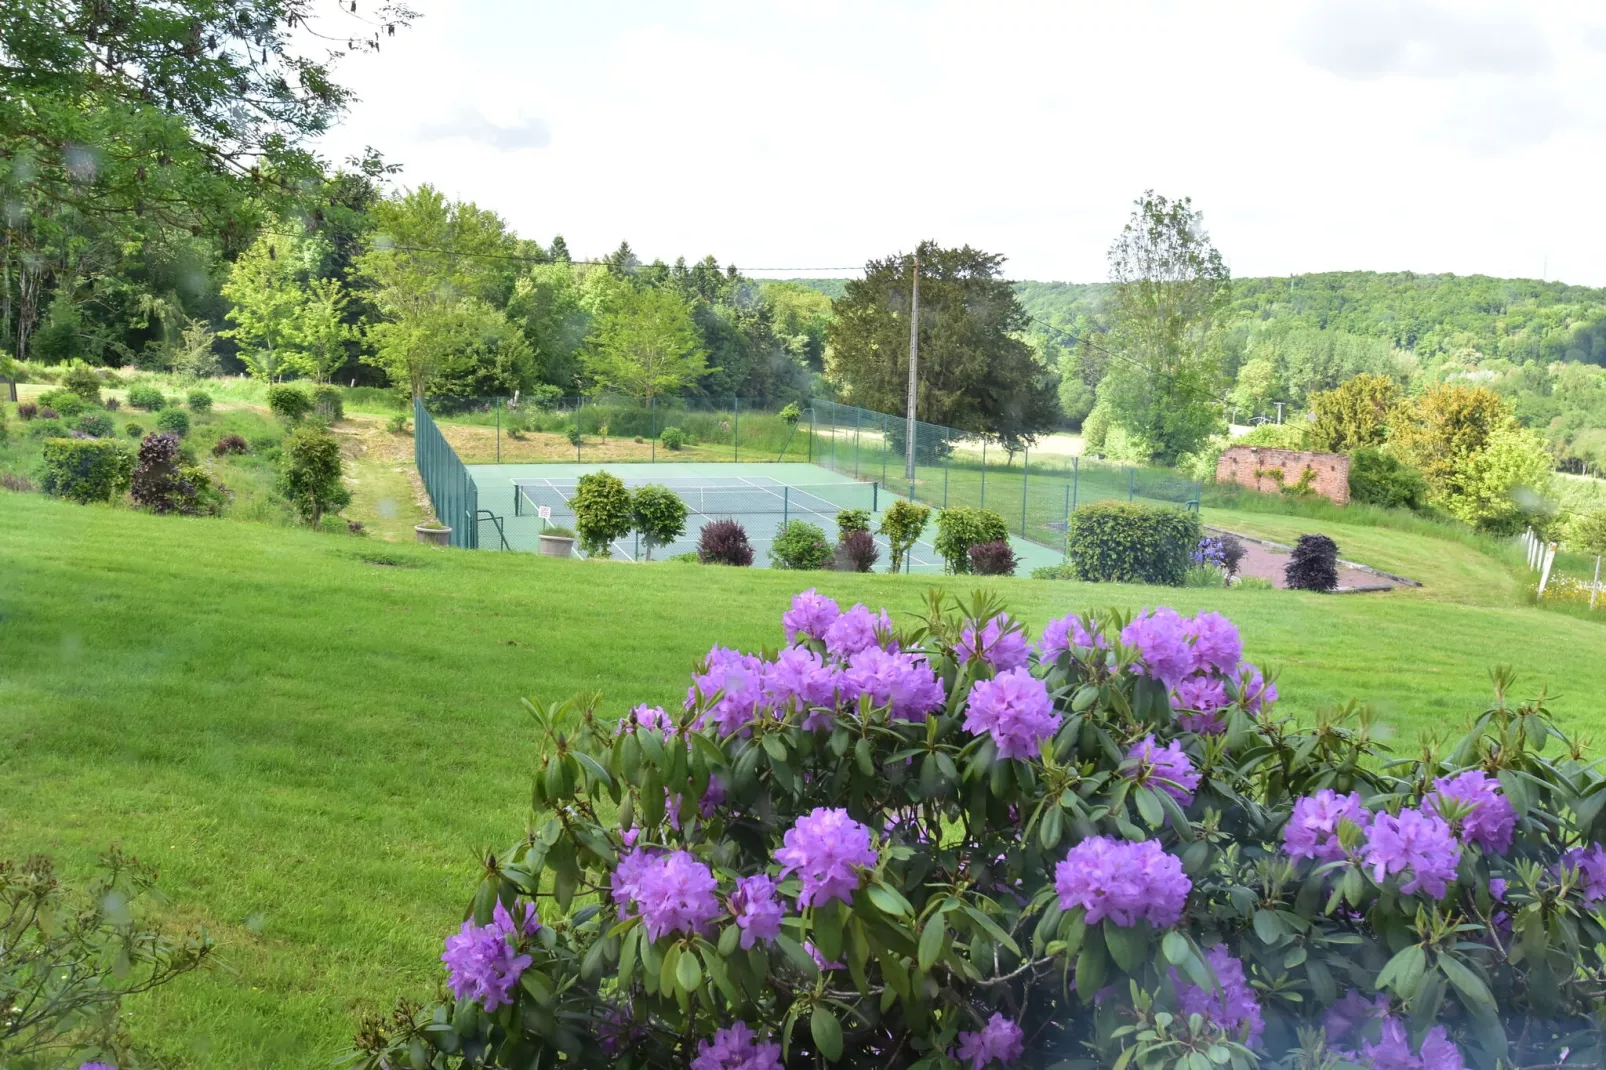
(762, 497)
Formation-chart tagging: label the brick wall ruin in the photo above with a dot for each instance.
(1269, 471)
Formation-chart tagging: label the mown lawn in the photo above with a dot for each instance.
(315, 734)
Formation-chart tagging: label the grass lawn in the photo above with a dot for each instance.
(314, 745)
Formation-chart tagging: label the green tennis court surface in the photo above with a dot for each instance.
(761, 496)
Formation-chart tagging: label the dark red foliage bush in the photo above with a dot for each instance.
(19, 483)
(857, 552)
(27, 410)
(48, 414)
(230, 444)
(165, 481)
(992, 559)
(1313, 566)
(724, 542)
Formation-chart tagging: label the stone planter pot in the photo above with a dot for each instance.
(434, 534)
(556, 546)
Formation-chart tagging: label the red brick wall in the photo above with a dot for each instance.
(1254, 467)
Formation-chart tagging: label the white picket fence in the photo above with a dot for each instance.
(1542, 555)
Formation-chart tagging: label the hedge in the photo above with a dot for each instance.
(85, 469)
(1123, 542)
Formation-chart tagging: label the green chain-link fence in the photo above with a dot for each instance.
(451, 489)
(1034, 490)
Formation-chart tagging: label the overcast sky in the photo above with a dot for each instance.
(1315, 135)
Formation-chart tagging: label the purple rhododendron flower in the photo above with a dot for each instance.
(1492, 821)
(741, 679)
(1167, 769)
(1061, 634)
(1590, 862)
(1233, 1006)
(676, 894)
(1392, 1051)
(1013, 707)
(855, 630)
(618, 1031)
(904, 682)
(999, 644)
(820, 961)
(1122, 881)
(627, 874)
(811, 614)
(1216, 646)
(1439, 1052)
(1254, 690)
(758, 914)
(1200, 700)
(799, 677)
(1415, 843)
(823, 848)
(652, 718)
(737, 1048)
(1351, 1014)
(999, 1041)
(96, 1066)
(482, 962)
(1312, 830)
(1161, 637)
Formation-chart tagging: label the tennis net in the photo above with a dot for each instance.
(826, 499)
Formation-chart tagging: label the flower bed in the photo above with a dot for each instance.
(945, 846)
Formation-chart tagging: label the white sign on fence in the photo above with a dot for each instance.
(544, 512)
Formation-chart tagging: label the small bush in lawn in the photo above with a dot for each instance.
(27, 410)
(800, 545)
(856, 552)
(95, 424)
(289, 403)
(1313, 564)
(398, 424)
(902, 524)
(63, 402)
(517, 423)
(1122, 542)
(574, 436)
(174, 422)
(164, 482)
(146, 397)
(199, 401)
(310, 474)
(230, 444)
(994, 558)
(329, 403)
(790, 414)
(112, 404)
(49, 425)
(1254, 583)
(673, 438)
(849, 520)
(85, 469)
(15, 481)
(602, 512)
(688, 558)
(133, 430)
(659, 515)
(1054, 572)
(82, 380)
(924, 835)
(724, 542)
(960, 528)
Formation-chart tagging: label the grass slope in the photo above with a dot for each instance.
(315, 746)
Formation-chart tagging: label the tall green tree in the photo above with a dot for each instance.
(322, 328)
(548, 306)
(267, 300)
(645, 345)
(1169, 288)
(976, 372)
(1354, 415)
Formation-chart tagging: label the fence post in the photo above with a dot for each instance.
(1544, 574)
(652, 426)
(1131, 483)
(579, 434)
(983, 474)
(496, 404)
(786, 503)
(1594, 588)
(1025, 462)
(1068, 518)
(736, 432)
(914, 451)
(1076, 485)
(883, 448)
(947, 459)
(811, 434)
(857, 414)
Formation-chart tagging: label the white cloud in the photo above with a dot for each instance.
(1371, 38)
(470, 124)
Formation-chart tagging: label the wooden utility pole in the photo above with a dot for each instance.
(914, 362)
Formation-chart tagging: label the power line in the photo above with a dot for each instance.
(521, 258)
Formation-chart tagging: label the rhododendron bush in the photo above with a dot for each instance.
(940, 843)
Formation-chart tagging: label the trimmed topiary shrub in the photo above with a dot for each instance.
(146, 397)
(995, 558)
(85, 470)
(724, 542)
(1313, 564)
(230, 444)
(800, 545)
(1378, 478)
(850, 520)
(165, 482)
(199, 401)
(133, 430)
(938, 847)
(329, 403)
(902, 524)
(310, 475)
(659, 515)
(602, 512)
(856, 552)
(82, 380)
(174, 422)
(398, 424)
(1123, 542)
(960, 528)
(574, 436)
(64, 403)
(95, 424)
(673, 438)
(289, 403)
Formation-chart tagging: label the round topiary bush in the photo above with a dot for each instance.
(800, 545)
(146, 397)
(82, 380)
(230, 444)
(939, 846)
(659, 514)
(1313, 564)
(95, 424)
(289, 403)
(63, 403)
(199, 401)
(673, 438)
(602, 512)
(174, 422)
(133, 430)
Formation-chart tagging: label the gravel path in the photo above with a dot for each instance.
(1268, 563)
